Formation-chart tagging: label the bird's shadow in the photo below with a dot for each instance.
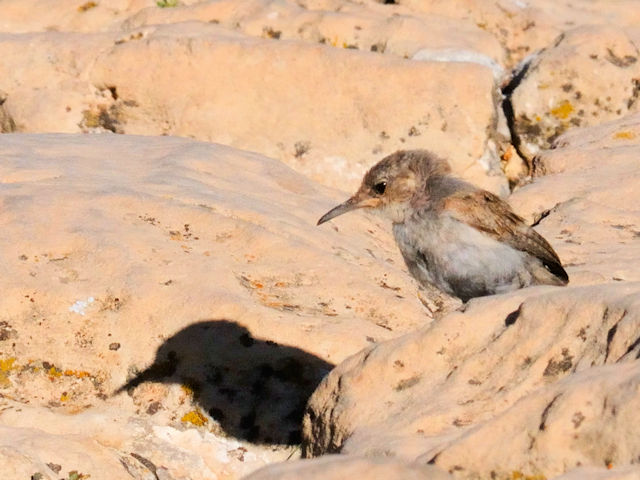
(256, 389)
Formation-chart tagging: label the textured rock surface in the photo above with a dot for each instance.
(590, 75)
(346, 466)
(589, 201)
(287, 79)
(512, 384)
(517, 383)
(168, 306)
(305, 103)
(193, 272)
(522, 27)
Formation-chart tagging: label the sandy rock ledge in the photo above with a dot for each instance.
(170, 305)
(533, 384)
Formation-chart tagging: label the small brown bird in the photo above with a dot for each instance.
(462, 239)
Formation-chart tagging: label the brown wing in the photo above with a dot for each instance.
(488, 213)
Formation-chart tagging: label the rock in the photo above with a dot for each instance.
(339, 467)
(502, 387)
(169, 306)
(331, 134)
(589, 76)
(312, 109)
(50, 92)
(521, 27)
(345, 25)
(205, 265)
(7, 125)
(586, 202)
(28, 453)
(576, 422)
(624, 473)
(470, 391)
(105, 442)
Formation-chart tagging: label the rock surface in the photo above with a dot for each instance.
(179, 292)
(305, 103)
(587, 201)
(339, 467)
(325, 86)
(588, 76)
(168, 306)
(523, 382)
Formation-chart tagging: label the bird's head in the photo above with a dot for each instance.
(392, 184)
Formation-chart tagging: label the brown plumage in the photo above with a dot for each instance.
(462, 239)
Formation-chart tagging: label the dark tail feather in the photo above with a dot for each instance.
(557, 270)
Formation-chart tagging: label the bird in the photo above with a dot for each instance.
(453, 235)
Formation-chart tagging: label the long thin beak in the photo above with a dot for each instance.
(339, 210)
(351, 204)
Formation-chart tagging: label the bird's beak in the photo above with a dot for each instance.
(354, 202)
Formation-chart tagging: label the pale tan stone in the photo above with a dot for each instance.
(588, 76)
(212, 253)
(329, 113)
(7, 124)
(521, 26)
(623, 473)
(313, 108)
(348, 25)
(339, 467)
(590, 191)
(471, 392)
(118, 250)
(107, 442)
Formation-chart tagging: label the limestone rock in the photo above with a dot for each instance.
(586, 203)
(7, 124)
(339, 467)
(175, 300)
(588, 76)
(312, 108)
(612, 473)
(347, 25)
(522, 27)
(516, 383)
(331, 130)
(168, 306)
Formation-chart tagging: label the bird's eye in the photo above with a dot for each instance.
(380, 187)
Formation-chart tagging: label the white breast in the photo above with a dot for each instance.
(460, 259)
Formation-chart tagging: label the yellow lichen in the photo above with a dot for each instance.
(87, 6)
(55, 372)
(195, 417)
(6, 364)
(76, 373)
(624, 135)
(64, 397)
(517, 475)
(563, 110)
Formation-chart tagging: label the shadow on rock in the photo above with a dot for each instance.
(257, 390)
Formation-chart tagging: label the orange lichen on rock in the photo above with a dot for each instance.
(6, 366)
(76, 373)
(195, 417)
(563, 110)
(624, 135)
(87, 6)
